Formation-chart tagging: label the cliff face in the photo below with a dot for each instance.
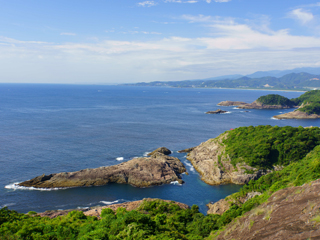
(215, 167)
(141, 172)
(291, 213)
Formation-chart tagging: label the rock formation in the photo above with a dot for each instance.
(258, 105)
(218, 111)
(163, 150)
(231, 103)
(296, 114)
(141, 172)
(291, 213)
(215, 167)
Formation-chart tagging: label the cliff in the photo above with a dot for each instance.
(141, 172)
(215, 167)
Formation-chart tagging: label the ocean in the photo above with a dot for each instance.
(56, 128)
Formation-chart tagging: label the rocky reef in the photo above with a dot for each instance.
(258, 105)
(162, 150)
(215, 167)
(140, 172)
(291, 213)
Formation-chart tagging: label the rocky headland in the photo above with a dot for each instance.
(258, 105)
(215, 167)
(218, 111)
(140, 172)
(290, 213)
(296, 114)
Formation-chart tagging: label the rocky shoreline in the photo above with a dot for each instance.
(157, 169)
(96, 211)
(254, 105)
(296, 114)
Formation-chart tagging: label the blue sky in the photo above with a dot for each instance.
(122, 41)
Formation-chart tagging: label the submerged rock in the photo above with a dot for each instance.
(140, 172)
(186, 150)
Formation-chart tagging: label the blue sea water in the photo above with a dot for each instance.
(55, 128)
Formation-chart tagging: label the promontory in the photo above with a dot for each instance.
(140, 172)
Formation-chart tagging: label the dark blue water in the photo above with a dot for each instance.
(56, 128)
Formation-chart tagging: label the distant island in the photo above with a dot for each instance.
(293, 81)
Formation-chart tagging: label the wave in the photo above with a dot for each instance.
(176, 183)
(191, 168)
(226, 112)
(15, 186)
(108, 203)
(146, 154)
(274, 118)
(119, 158)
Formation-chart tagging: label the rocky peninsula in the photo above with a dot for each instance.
(157, 169)
(231, 103)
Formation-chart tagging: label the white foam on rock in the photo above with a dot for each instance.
(15, 186)
(274, 118)
(146, 154)
(119, 158)
(191, 168)
(176, 183)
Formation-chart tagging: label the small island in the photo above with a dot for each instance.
(218, 111)
(157, 169)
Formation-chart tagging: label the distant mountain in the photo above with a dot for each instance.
(292, 81)
(281, 73)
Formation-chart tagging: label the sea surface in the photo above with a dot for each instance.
(55, 128)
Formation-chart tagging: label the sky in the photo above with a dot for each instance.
(126, 41)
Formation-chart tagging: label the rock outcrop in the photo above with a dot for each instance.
(231, 103)
(224, 204)
(214, 165)
(187, 150)
(296, 114)
(258, 105)
(291, 213)
(96, 211)
(141, 172)
(218, 111)
(163, 150)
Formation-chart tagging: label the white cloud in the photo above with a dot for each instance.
(147, 4)
(68, 34)
(221, 0)
(233, 47)
(302, 15)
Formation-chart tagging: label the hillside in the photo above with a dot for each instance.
(292, 81)
(285, 206)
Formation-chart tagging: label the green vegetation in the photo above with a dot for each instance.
(162, 220)
(265, 146)
(309, 102)
(275, 99)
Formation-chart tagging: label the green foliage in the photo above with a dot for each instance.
(275, 99)
(265, 146)
(308, 97)
(311, 108)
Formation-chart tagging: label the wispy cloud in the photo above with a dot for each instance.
(68, 34)
(147, 4)
(301, 15)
